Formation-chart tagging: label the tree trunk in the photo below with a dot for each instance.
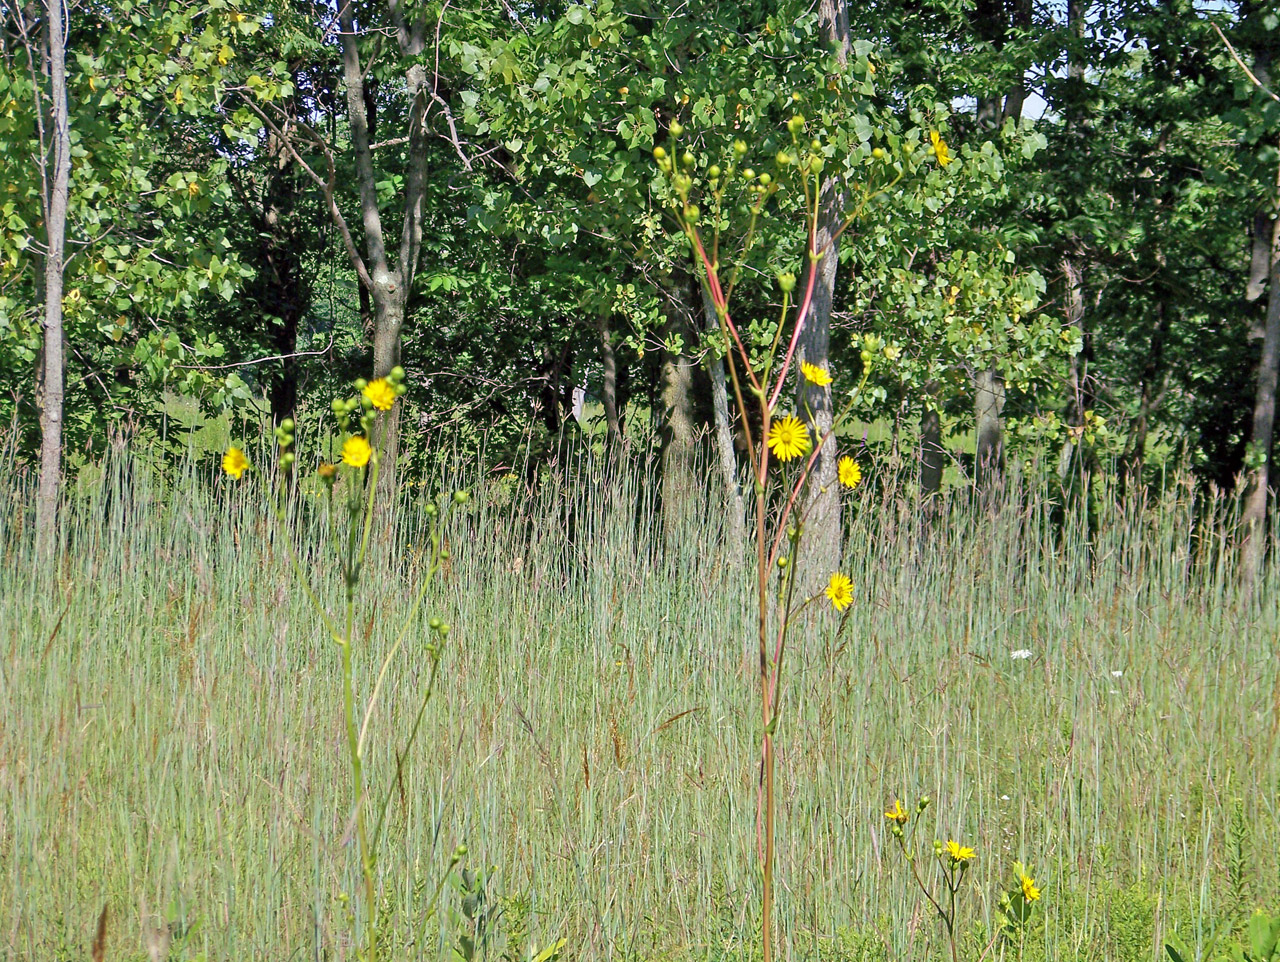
(55, 205)
(1135, 453)
(609, 384)
(680, 485)
(821, 551)
(1078, 370)
(932, 454)
(1254, 519)
(726, 455)
(988, 402)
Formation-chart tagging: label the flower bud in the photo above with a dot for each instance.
(676, 128)
(796, 124)
(878, 153)
(740, 148)
(366, 403)
(815, 165)
(714, 171)
(783, 561)
(287, 459)
(691, 213)
(787, 281)
(765, 179)
(923, 803)
(431, 510)
(748, 174)
(815, 144)
(287, 425)
(461, 497)
(783, 158)
(338, 406)
(361, 384)
(397, 374)
(434, 624)
(688, 159)
(401, 389)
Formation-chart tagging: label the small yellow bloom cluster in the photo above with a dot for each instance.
(850, 472)
(235, 463)
(789, 438)
(1029, 890)
(357, 451)
(940, 148)
(814, 374)
(897, 813)
(840, 591)
(959, 854)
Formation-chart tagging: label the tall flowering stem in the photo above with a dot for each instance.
(758, 386)
(357, 417)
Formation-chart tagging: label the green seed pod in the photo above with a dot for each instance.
(740, 148)
(815, 144)
(878, 153)
(688, 159)
(796, 124)
(765, 179)
(676, 129)
(691, 213)
(659, 153)
(714, 171)
(748, 174)
(783, 158)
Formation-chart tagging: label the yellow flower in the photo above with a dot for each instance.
(960, 854)
(234, 462)
(327, 471)
(1029, 890)
(840, 591)
(356, 452)
(940, 149)
(381, 393)
(789, 438)
(177, 96)
(815, 374)
(193, 188)
(897, 813)
(850, 473)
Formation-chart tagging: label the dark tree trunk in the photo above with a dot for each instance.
(1254, 519)
(609, 383)
(932, 454)
(1152, 372)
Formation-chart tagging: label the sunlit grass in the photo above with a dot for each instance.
(172, 748)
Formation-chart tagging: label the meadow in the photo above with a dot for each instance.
(172, 744)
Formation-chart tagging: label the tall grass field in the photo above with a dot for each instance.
(1090, 696)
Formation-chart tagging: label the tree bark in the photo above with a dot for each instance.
(1078, 372)
(1135, 451)
(1254, 519)
(725, 452)
(989, 453)
(53, 362)
(823, 526)
(680, 484)
(609, 383)
(932, 454)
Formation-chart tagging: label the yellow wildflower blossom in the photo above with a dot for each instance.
(381, 393)
(940, 149)
(234, 462)
(356, 452)
(840, 591)
(960, 854)
(897, 813)
(815, 374)
(850, 473)
(1029, 890)
(789, 438)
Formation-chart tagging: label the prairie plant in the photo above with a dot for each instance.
(351, 512)
(758, 371)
